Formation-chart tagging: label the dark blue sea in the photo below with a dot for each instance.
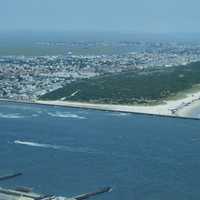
(67, 152)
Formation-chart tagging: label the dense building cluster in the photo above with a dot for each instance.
(27, 78)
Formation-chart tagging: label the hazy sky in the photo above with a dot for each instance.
(101, 15)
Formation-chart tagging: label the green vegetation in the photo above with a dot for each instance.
(140, 86)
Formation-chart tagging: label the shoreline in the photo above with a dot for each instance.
(180, 108)
(190, 110)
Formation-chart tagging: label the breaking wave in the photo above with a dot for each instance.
(11, 116)
(56, 147)
(16, 116)
(120, 114)
(66, 115)
(35, 115)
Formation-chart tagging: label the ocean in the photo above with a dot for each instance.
(67, 152)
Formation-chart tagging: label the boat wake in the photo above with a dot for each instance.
(65, 115)
(56, 147)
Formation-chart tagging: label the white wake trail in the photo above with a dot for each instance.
(56, 147)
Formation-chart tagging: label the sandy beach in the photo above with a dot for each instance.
(177, 108)
(190, 110)
(183, 107)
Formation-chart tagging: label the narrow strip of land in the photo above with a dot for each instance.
(180, 108)
(172, 108)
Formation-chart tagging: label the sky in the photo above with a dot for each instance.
(149, 16)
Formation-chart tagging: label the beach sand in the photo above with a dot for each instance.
(183, 107)
(190, 111)
(177, 108)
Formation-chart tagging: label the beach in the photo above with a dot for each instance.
(174, 108)
(183, 107)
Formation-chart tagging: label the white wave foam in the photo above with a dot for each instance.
(55, 147)
(66, 115)
(11, 116)
(120, 114)
(39, 111)
(35, 115)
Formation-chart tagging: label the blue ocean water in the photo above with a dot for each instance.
(67, 151)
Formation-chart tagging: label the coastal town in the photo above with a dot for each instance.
(99, 100)
(29, 77)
